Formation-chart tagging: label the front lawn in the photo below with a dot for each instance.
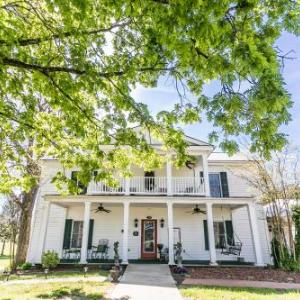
(59, 274)
(71, 290)
(216, 293)
(4, 262)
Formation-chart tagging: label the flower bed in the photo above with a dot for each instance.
(243, 273)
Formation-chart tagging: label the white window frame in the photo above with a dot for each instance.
(72, 232)
(225, 231)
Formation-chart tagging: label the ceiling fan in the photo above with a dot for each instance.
(100, 209)
(196, 210)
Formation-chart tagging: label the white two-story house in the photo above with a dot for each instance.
(205, 205)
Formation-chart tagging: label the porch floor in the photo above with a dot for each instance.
(226, 263)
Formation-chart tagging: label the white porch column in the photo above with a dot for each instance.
(85, 232)
(125, 233)
(255, 234)
(205, 175)
(169, 177)
(127, 186)
(46, 208)
(211, 234)
(171, 232)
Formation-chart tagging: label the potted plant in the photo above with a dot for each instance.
(179, 272)
(116, 271)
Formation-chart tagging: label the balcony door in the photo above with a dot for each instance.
(149, 239)
(149, 181)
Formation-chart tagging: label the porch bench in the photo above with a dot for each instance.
(72, 253)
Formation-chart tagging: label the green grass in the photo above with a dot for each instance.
(4, 262)
(224, 293)
(71, 290)
(59, 274)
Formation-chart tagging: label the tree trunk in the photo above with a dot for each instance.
(3, 247)
(25, 225)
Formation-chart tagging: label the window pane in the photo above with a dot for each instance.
(219, 230)
(215, 186)
(76, 239)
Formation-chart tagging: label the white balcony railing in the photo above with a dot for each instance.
(188, 185)
(152, 185)
(102, 187)
(148, 185)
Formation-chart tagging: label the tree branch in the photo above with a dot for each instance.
(52, 69)
(35, 41)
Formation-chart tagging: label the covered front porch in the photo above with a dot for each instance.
(148, 229)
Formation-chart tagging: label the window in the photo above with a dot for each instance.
(218, 184)
(220, 234)
(223, 234)
(76, 236)
(215, 185)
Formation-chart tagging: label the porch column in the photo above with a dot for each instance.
(169, 177)
(127, 186)
(211, 234)
(205, 175)
(171, 232)
(255, 234)
(125, 233)
(85, 231)
(46, 208)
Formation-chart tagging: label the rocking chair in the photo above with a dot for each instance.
(100, 251)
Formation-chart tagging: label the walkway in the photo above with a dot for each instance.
(146, 282)
(242, 283)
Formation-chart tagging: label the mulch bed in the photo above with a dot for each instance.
(244, 273)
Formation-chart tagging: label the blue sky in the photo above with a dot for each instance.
(165, 96)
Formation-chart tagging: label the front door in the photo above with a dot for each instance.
(149, 239)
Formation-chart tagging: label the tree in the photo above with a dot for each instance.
(82, 59)
(278, 182)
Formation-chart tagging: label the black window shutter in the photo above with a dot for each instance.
(78, 183)
(67, 234)
(224, 183)
(74, 176)
(91, 229)
(229, 233)
(205, 234)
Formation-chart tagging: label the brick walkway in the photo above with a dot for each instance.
(242, 283)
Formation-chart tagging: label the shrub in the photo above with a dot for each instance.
(50, 259)
(26, 266)
(289, 264)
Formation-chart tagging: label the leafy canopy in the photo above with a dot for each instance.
(68, 69)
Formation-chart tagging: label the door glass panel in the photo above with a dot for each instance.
(149, 237)
(214, 184)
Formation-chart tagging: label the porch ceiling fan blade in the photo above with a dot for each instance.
(100, 208)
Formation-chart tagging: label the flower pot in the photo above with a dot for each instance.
(114, 274)
(179, 278)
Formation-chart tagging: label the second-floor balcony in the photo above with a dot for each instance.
(140, 185)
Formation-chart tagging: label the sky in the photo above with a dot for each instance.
(164, 96)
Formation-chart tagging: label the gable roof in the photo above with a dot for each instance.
(224, 157)
(191, 141)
